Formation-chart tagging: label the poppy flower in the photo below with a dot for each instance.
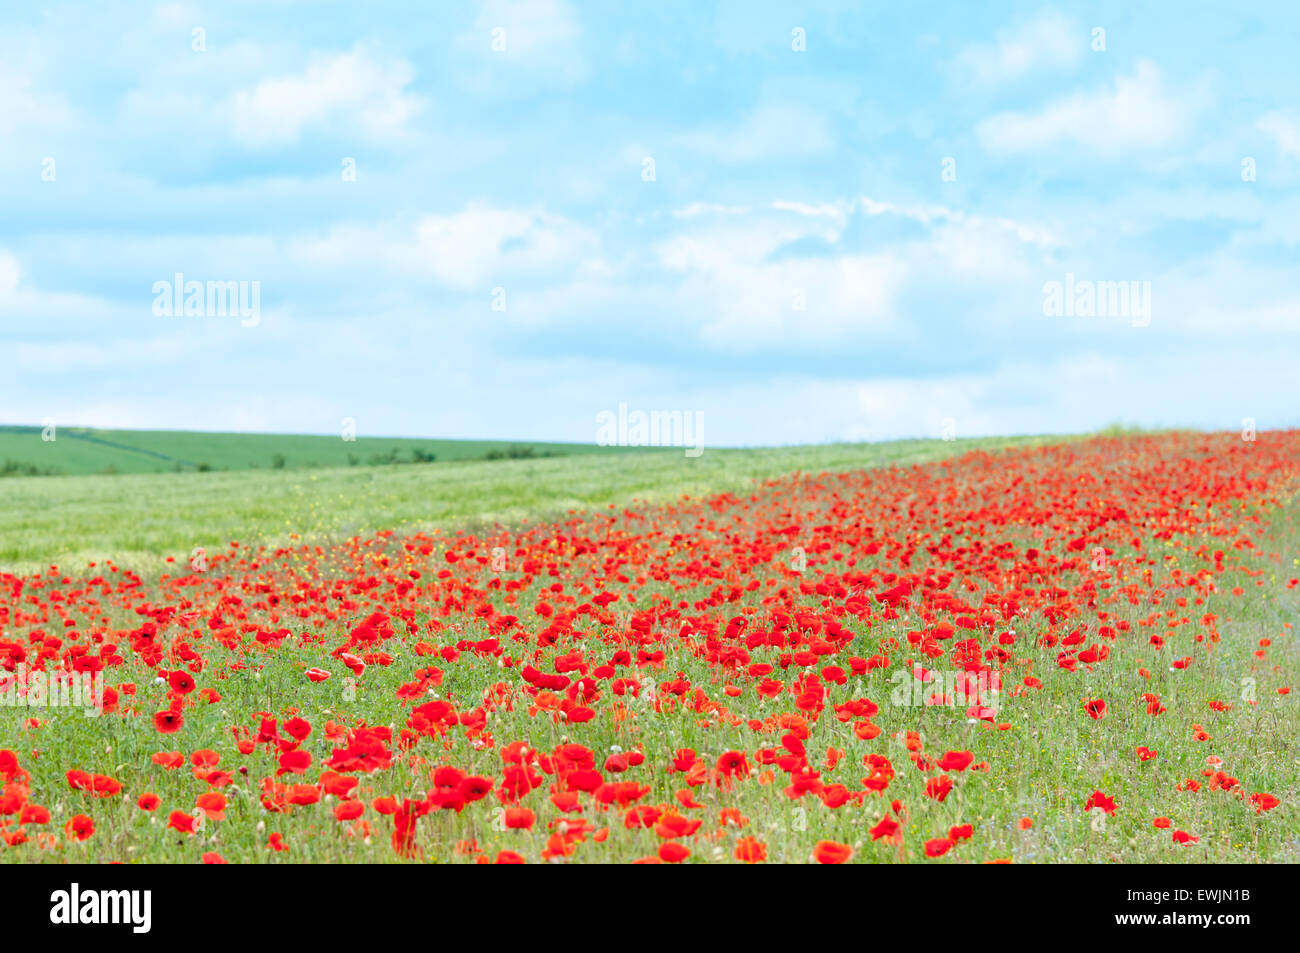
(885, 829)
(956, 761)
(830, 852)
(34, 814)
(750, 850)
(733, 764)
(674, 825)
(213, 805)
(1263, 802)
(296, 761)
(185, 823)
(519, 818)
(474, 788)
(79, 827)
(672, 852)
(168, 722)
(102, 785)
(348, 810)
(938, 788)
(148, 802)
(938, 846)
(181, 682)
(1098, 800)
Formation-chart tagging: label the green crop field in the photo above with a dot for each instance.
(140, 519)
(81, 451)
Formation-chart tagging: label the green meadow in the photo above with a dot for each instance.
(78, 451)
(141, 518)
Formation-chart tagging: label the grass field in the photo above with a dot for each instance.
(80, 451)
(140, 519)
(917, 652)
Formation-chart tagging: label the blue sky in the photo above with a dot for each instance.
(780, 176)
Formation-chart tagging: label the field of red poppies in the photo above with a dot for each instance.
(1073, 653)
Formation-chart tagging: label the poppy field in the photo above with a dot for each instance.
(1082, 652)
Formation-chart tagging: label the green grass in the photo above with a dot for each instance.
(82, 451)
(140, 519)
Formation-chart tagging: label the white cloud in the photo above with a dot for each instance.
(542, 47)
(1285, 131)
(742, 280)
(348, 88)
(1136, 113)
(932, 215)
(10, 274)
(469, 248)
(31, 311)
(694, 209)
(1050, 40)
(834, 210)
(26, 107)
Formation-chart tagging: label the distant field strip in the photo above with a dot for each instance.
(141, 519)
(84, 451)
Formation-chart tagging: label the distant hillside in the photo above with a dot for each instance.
(83, 451)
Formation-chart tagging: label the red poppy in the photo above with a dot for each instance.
(830, 852)
(885, 829)
(185, 823)
(348, 810)
(938, 846)
(1098, 800)
(672, 852)
(519, 818)
(956, 761)
(213, 805)
(79, 827)
(168, 722)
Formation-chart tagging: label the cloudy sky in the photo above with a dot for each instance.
(498, 219)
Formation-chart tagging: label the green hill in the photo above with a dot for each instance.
(80, 451)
